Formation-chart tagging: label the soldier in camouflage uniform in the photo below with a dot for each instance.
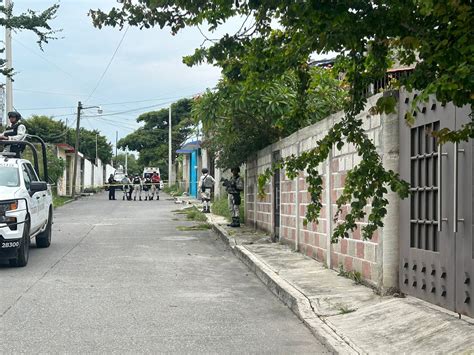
(233, 187)
(206, 182)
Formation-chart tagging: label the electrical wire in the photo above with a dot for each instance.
(108, 65)
(120, 123)
(107, 104)
(49, 92)
(44, 58)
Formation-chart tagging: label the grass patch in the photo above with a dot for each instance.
(192, 214)
(197, 227)
(59, 201)
(173, 190)
(220, 207)
(353, 275)
(344, 309)
(94, 189)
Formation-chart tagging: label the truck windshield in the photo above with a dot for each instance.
(9, 177)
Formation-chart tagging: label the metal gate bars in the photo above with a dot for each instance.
(436, 222)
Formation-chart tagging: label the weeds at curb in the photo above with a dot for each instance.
(343, 309)
(197, 227)
(353, 275)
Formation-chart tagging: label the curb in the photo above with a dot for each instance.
(291, 297)
(65, 203)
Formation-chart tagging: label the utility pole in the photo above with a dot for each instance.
(76, 145)
(76, 150)
(8, 64)
(170, 157)
(116, 141)
(126, 161)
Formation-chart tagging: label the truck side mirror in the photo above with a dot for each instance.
(37, 186)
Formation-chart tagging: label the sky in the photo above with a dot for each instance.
(146, 73)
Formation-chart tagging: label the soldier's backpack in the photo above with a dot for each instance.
(207, 182)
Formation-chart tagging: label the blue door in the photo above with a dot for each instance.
(193, 178)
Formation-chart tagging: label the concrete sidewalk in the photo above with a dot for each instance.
(345, 316)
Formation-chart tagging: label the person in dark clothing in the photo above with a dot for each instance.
(111, 182)
(15, 132)
(234, 186)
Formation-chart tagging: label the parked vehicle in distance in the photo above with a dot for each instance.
(26, 205)
(119, 175)
(148, 172)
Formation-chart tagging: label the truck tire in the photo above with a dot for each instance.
(24, 249)
(43, 240)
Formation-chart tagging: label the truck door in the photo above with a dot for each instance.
(40, 196)
(35, 200)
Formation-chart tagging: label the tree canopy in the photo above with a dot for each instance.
(53, 131)
(133, 167)
(151, 140)
(433, 36)
(239, 120)
(34, 21)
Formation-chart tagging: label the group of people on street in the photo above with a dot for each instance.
(133, 187)
(146, 187)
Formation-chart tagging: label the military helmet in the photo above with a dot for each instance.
(236, 170)
(14, 114)
(205, 170)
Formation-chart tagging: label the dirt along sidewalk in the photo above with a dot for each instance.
(346, 316)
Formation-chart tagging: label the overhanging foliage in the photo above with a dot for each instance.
(435, 36)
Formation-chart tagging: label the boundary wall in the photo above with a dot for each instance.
(376, 259)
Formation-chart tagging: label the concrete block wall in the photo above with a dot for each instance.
(98, 174)
(354, 253)
(88, 174)
(313, 239)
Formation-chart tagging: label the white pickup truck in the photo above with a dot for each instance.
(26, 208)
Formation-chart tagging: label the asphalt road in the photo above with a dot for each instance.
(120, 277)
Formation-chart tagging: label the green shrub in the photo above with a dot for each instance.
(89, 190)
(173, 190)
(58, 201)
(220, 207)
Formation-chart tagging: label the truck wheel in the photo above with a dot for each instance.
(24, 249)
(43, 240)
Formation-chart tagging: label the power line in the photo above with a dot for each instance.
(114, 124)
(44, 108)
(104, 104)
(44, 58)
(108, 65)
(49, 92)
(133, 110)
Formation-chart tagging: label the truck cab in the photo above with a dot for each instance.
(26, 206)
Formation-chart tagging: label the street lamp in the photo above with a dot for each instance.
(76, 145)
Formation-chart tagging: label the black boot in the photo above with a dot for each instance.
(235, 222)
(231, 224)
(134, 199)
